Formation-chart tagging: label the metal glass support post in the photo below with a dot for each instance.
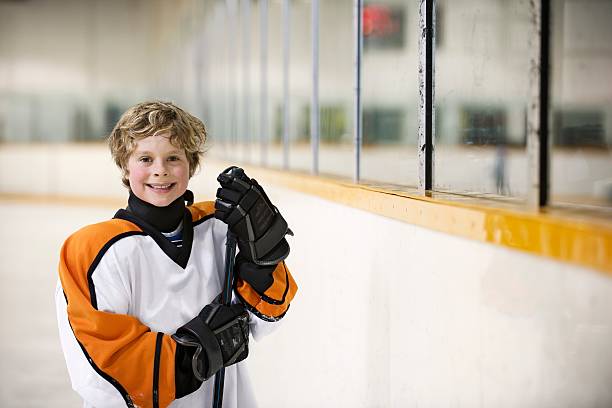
(232, 88)
(358, 24)
(314, 106)
(223, 27)
(286, 106)
(246, 78)
(263, 75)
(221, 24)
(426, 93)
(538, 144)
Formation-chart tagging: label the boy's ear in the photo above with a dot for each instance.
(125, 177)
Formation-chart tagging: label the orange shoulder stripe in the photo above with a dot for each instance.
(201, 210)
(80, 250)
(120, 347)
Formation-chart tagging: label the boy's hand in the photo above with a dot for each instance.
(244, 207)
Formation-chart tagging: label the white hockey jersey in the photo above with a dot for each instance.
(124, 290)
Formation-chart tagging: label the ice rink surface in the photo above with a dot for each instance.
(33, 372)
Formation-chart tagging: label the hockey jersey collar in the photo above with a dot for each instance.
(164, 219)
(179, 255)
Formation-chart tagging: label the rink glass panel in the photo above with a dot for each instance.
(255, 87)
(581, 108)
(336, 82)
(241, 43)
(481, 91)
(300, 85)
(64, 76)
(273, 155)
(248, 48)
(221, 90)
(390, 92)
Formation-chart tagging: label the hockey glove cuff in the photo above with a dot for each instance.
(259, 277)
(217, 337)
(266, 291)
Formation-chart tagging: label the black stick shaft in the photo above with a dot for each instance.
(226, 298)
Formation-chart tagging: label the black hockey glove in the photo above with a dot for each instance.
(243, 205)
(217, 337)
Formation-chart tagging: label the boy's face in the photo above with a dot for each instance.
(158, 171)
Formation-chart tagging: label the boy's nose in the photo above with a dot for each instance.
(160, 170)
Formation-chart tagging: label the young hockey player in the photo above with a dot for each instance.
(139, 316)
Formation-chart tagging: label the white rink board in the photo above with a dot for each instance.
(389, 314)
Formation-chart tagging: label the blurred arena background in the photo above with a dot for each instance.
(462, 295)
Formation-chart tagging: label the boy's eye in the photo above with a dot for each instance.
(144, 159)
(174, 158)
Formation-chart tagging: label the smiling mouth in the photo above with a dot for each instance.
(161, 187)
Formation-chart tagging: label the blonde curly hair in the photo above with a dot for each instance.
(153, 118)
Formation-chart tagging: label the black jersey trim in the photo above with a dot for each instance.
(98, 258)
(180, 256)
(126, 397)
(158, 344)
(259, 314)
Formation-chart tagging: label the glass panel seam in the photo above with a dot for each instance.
(358, 114)
(538, 146)
(314, 110)
(286, 110)
(426, 94)
(263, 10)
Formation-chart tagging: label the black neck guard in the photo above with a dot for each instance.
(164, 219)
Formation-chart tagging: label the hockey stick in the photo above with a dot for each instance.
(226, 299)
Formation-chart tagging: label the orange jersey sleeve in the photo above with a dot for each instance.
(139, 363)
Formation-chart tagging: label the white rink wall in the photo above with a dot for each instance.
(390, 314)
